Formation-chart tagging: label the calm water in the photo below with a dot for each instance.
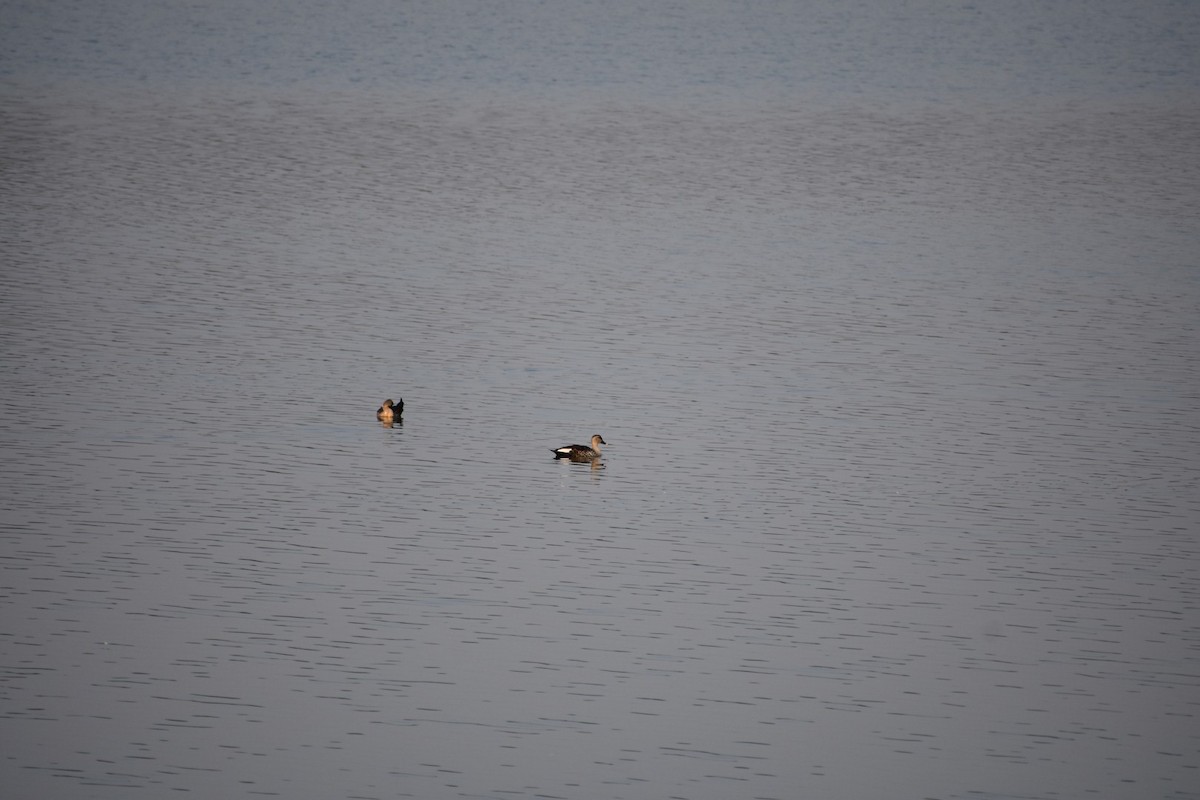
(889, 315)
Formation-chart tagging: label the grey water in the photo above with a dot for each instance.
(888, 313)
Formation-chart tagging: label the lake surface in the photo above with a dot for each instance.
(890, 316)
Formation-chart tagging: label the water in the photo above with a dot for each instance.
(889, 315)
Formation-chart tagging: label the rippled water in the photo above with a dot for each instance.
(900, 498)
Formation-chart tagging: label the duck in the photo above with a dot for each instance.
(390, 411)
(581, 452)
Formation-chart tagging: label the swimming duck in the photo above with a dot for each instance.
(581, 452)
(390, 411)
